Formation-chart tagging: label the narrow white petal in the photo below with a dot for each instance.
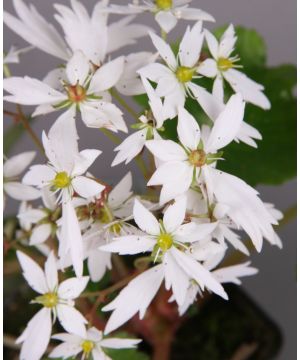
(32, 273)
(36, 336)
(115, 343)
(130, 245)
(208, 68)
(40, 234)
(15, 165)
(71, 320)
(72, 288)
(188, 129)
(164, 50)
(135, 297)
(51, 272)
(176, 278)
(86, 187)
(77, 68)
(190, 46)
(227, 124)
(211, 106)
(145, 220)
(107, 76)
(20, 191)
(166, 150)
(231, 274)
(197, 272)
(121, 192)
(175, 214)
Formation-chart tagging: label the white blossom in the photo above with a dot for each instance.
(57, 301)
(184, 163)
(175, 78)
(150, 122)
(91, 344)
(166, 12)
(75, 88)
(168, 241)
(12, 169)
(90, 34)
(223, 66)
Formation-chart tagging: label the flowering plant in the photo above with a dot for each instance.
(168, 245)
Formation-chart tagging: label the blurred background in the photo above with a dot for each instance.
(274, 288)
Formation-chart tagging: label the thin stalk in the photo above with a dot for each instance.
(28, 128)
(111, 136)
(122, 102)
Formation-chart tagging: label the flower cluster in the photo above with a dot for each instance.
(184, 225)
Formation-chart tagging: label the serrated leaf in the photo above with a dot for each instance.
(274, 162)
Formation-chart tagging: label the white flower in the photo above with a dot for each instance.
(229, 274)
(174, 80)
(90, 344)
(39, 221)
(223, 66)
(65, 174)
(202, 212)
(90, 34)
(184, 163)
(151, 121)
(167, 12)
(168, 241)
(242, 205)
(81, 90)
(57, 301)
(12, 169)
(13, 55)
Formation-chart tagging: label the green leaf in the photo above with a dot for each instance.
(274, 162)
(250, 46)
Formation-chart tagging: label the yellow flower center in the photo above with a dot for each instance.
(76, 93)
(197, 158)
(87, 346)
(164, 241)
(61, 180)
(224, 64)
(184, 74)
(115, 228)
(164, 4)
(49, 300)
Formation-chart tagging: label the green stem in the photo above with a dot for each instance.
(122, 102)
(111, 136)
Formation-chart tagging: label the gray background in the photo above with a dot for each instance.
(274, 288)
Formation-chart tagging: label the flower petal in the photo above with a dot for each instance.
(164, 50)
(77, 68)
(129, 245)
(166, 150)
(175, 214)
(145, 220)
(107, 76)
(71, 320)
(32, 273)
(227, 124)
(188, 129)
(15, 165)
(72, 288)
(86, 187)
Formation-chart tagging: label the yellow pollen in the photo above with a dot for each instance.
(87, 346)
(49, 300)
(164, 241)
(164, 4)
(197, 158)
(224, 64)
(184, 74)
(61, 180)
(115, 228)
(76, 93)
